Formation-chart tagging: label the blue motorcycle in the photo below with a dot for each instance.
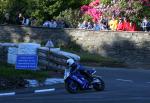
(75, 81)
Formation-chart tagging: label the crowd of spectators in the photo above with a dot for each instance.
(115, 24)
(105, 23)
(27, 21)
(54, 24)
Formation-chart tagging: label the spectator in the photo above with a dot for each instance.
(102, 26)
(132, 26)
(46, 23)
(33, 21)
(89, 25)
(96, 27)
(53, 24)
(83, 25)
(113, 23)
(104, 20)
(26, 21)
(6, 19)
(145, 24)
(126, 24)
(19, 19)
(59, 23)
(120, 25)
(62, 22)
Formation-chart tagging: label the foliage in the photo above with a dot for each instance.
(86, 17)
(133, 9)
(51, 9)
(41, 9)
(71, 17)
(106, 2)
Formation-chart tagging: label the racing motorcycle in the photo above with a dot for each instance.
(75, 82)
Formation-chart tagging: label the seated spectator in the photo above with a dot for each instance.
(126, 24)
(120, 25)
(46, 23)
(33, 21)
(103, 26)
(53, 24)
(89, 25)
(26, 21)
(60, 23)
(145, 24)
(83, 25)
(113, 24)
(132, 26)
(96, 27)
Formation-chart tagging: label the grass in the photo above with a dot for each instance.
(8, 71)
(97, 60)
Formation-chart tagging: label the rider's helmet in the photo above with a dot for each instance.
(70, 62)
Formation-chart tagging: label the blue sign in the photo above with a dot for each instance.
(27, 62)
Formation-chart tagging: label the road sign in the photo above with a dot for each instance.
(27, 62)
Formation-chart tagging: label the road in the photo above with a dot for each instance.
(122, 86)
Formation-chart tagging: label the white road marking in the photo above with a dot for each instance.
(124, 80)
(44, 90)
(8, 94)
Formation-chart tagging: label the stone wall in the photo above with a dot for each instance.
(131, 47)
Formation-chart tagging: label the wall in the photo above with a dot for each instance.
(131, 47)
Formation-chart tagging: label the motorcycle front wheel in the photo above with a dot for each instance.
(99, 85)
(72, 87)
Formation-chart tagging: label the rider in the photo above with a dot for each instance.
(74, 66)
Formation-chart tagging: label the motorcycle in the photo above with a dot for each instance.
(75, 82)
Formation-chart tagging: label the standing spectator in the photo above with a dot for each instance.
(113, 23)
(6, 19)
(19, 19)
(120, 25)
(145, 24)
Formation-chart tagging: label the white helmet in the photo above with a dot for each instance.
(70, 62)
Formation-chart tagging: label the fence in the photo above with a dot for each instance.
(48, 59)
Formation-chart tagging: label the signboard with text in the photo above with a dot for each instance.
(27, 62)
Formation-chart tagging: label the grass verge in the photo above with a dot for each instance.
(8, 71)
(87, 59)
(97, 60)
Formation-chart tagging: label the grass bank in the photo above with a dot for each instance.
(96, 60)
(8, 71)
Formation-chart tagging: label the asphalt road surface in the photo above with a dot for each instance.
(122, 86)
